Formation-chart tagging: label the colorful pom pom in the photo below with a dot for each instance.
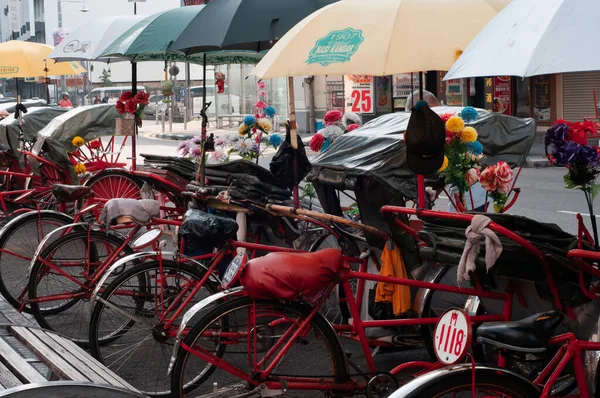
(249, 121)
(316, 142)
(475, 148)
(468, 134)
(420, 105)
(469, 114)
(78, 141)
(444, 164)
(270, 111)
(275, 140)
(455, 124)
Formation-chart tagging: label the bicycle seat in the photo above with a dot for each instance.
(69, 193)
(527, 335)
(293, 276)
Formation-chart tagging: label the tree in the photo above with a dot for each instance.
(105, 78)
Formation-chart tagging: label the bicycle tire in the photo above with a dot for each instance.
(453, 382)
(120, 368)
(318, 325)
(10, 229)
(43, 316)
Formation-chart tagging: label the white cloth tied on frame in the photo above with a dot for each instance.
(475, 233)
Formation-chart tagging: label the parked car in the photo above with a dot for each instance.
(107, 91)
(156, 103)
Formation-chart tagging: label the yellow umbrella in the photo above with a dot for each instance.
(21, 59)
(378, 37)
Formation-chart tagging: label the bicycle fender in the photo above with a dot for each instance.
(139, 255)
(20, 217)
(43, 243)
(116, 265)
(450, 371)
(193, 311)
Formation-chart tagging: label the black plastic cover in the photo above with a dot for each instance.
(204, 230)
(282, 164)
(377, 150)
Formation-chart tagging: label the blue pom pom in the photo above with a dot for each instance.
(469, 114)
(275, 140)
(326, 144)
(270, 111)
(249, 121)
(475, 148)
(420, 105)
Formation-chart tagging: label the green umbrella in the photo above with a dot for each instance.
(149, 40)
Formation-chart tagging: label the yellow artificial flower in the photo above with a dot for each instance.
(444, 165)
(265, 124)
(80, 168)
(469, 134)
(78, 141)
(242, 130)
(455, 124)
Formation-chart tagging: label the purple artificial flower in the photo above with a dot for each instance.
(556, 134)
(586, 155)
(183, 148)
(565, 152)
(196, 153)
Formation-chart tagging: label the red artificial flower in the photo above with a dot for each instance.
(332, 117)
(121, 107)
(316, 142)
(450, 135)
(95, 144)
(125, 96)
(353, 126)
(131, 106)
(446, 116)
(487, 179)
(563, 121)
(142, 97)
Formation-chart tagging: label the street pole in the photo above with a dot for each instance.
(243, 91)
(63, 78)
(229, 104)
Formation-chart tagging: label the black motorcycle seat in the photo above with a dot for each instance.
(527, 335)
(69, 193)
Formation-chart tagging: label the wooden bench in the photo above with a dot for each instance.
(237, 118)
(29, 354)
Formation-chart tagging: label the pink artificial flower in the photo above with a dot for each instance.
(332, 117)
(504, 176)
(472, 176)
(262, 93)
(261, 104)
(261, 85)
(488, 179)
(316, 142)
(446, 116)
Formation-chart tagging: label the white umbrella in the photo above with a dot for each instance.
(88, 41)
(531, 38)
(378, 38)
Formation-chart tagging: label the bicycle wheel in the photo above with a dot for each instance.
(489, 383)
(19, 239)
(111, 184)
(145, 291)
(316, 355)
(60, 302)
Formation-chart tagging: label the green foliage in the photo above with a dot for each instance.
(105, 78)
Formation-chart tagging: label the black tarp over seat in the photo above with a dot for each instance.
(448, 236)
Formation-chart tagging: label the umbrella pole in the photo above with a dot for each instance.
(19, 101)
(133, 139)
(420, 177)
(294, 140)
(204, 123)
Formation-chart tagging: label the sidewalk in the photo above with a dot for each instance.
(536, 157)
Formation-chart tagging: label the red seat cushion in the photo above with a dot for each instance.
(293, 276)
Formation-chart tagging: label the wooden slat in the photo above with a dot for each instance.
(88, 363)
(51, 358)
(13, 315)
(72, 358)
(7, 379)
(18, 365)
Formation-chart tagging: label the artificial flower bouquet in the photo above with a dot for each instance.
(497, 181)
(569, 149)
(336, 124)
(246, 143)
(463, 153)
(132, 107)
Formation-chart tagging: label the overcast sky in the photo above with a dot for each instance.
(73, 18)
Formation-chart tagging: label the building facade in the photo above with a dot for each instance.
(32, 21)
